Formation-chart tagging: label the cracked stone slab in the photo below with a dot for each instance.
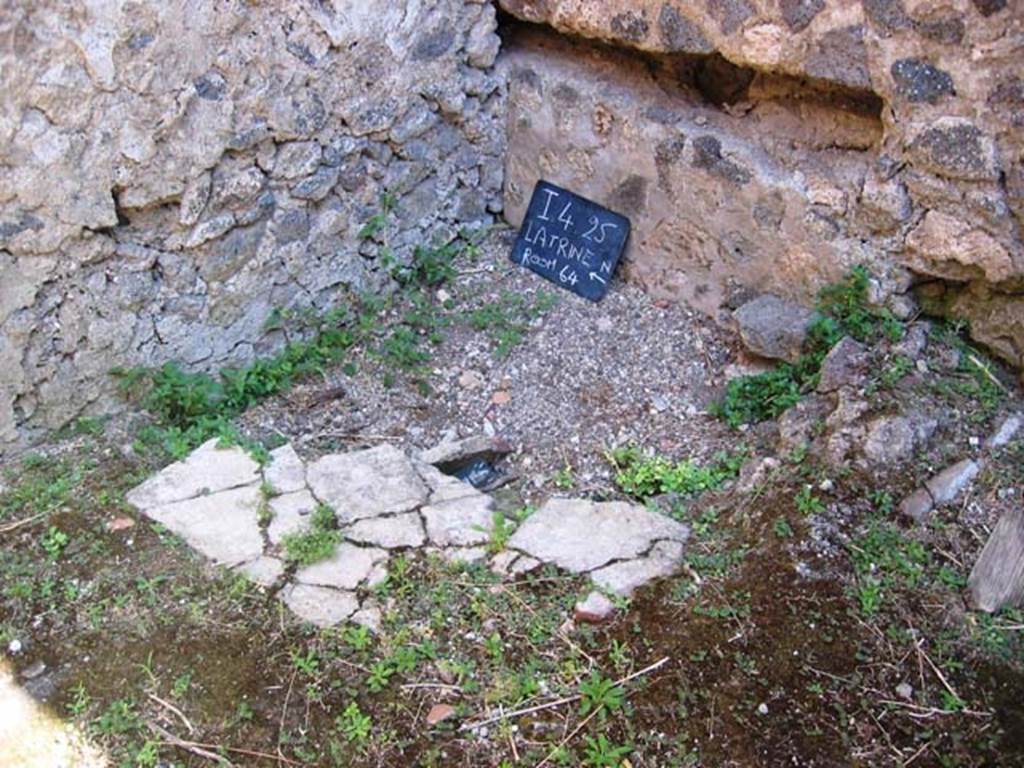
(511, 563)
(394, 532)
(462, 522)
(580, 535)
(285, 473)
(466, 555)
(369, 616)
(367, 483)
(322, 606)
(208, 469)
(223, 526)
(265, 571)
(625, 577)
(347, 568)
(291, 513)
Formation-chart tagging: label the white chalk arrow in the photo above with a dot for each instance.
(595, 276)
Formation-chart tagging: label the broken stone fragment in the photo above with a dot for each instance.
(917, 506)
(950, 482)
(439, 713)
(290, 513)
(593, 609)
(208, 469)
(890, 439)
(349, 567)
(580, 535)
(624, 578)
(997, 579)
(223, 526)
(392, 532)
(285, 473)
(367, 483)
(451, 455)
(843, 366)
(265, 571)
(774, 328)
(1007, 430)
(322, 606)
(465, 521)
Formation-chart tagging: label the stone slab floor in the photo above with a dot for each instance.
(238, 514)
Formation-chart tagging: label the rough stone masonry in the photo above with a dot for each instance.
(769, 145)
(173, 172)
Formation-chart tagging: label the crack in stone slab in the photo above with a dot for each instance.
(221, 526)
(580, 535)
(208, 469)
(367, 483)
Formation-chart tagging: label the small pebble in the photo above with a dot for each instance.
(762, 709)
(14, 646)
(33, 670)
(905, 691)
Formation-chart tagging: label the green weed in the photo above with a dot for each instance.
(507, 320)
(842, 311)
(601, 753)
(642, 475)
(807, 503)
(354, 725)
(782, 528)
(884, 558)
(316, 544)
(601, 695)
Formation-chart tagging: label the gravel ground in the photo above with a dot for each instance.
(585, 377)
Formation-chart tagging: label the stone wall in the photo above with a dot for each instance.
(173, 171)
(767, 146)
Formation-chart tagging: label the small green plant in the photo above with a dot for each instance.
(379, 220)
(895, 371)
(244, 712)
(405, 659)
(601, 695)
(782, 528)
(642, 475)
(807, 503)
(148, 755)
(307, 663)
(354, 725)
(357, 637)
(53, 542)
(181, 684)
(119, 718)
(565, 479)
(507, 320)
(885, 558)
(80, 701)
(380, 675)
(501, 531)
(316, 544)
(601, 753)
(619, 655)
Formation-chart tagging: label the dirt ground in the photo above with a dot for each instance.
(809, 624)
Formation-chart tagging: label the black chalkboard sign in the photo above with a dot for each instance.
(573, 242)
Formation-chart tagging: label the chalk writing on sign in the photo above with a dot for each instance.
(571, 241)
